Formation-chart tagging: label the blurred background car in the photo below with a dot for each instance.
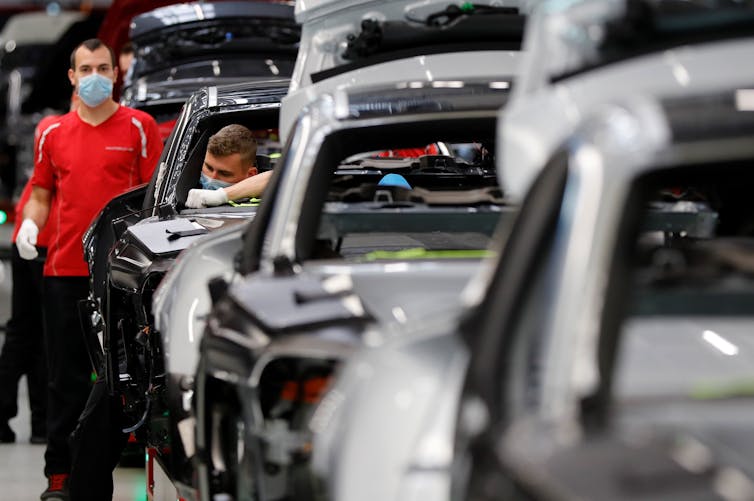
(35, 48)
(625, 353)
(182, 47)
(614, 301)
(426, 365)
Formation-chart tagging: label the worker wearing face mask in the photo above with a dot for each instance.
(84, 158)
(229, 170)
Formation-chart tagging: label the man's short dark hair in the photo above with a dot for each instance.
(128, 48)
(92, 44)
(234, 138)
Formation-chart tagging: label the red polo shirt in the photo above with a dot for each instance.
(84, 167)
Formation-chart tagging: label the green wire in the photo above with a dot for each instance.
(421, 253)
(253, 202)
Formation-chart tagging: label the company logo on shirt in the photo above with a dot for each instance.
(119, 148)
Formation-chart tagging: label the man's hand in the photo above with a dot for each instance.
(206, 198)
(26, 240)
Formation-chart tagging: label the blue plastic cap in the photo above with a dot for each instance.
(394, 180)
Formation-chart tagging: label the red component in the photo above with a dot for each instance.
(309, 391)
(166, 128)
(431, 149)
(151, 453)
(290, 391)
(57, 481)
(314, 388)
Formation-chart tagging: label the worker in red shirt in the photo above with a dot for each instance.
(23, 349)
(85, 158)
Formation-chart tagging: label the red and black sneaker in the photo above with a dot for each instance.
(57, 488)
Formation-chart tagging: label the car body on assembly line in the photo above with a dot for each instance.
(607, 341)
(611, 352)
(475, 61)
(136, 239)
(406, 393)
(361, 231)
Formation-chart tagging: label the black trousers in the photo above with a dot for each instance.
(69, 368)
(23, 351)
(96, 445)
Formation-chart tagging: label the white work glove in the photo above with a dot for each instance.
(27, 239)
(206, 198)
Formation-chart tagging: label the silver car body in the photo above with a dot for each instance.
(397, 292)
(621, 142)
(384, 430)
(559, 39)
(182, 301)
(405, 392)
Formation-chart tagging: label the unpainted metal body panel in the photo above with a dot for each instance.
(182, 301)
(403, 392)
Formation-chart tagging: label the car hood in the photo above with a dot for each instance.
(327, 24)
(181, 302)
(159, 238)
(386, 295)
(370, 43)
(171, 37)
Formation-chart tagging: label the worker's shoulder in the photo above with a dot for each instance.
(49, 123)
(138, 115)
(48, 120)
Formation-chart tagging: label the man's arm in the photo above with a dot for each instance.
(38, 207)
(251, 187)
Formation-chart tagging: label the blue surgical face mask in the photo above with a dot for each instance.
(212, 184)
(95, 89)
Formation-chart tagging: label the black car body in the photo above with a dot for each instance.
(179, 48)
(136, 239)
